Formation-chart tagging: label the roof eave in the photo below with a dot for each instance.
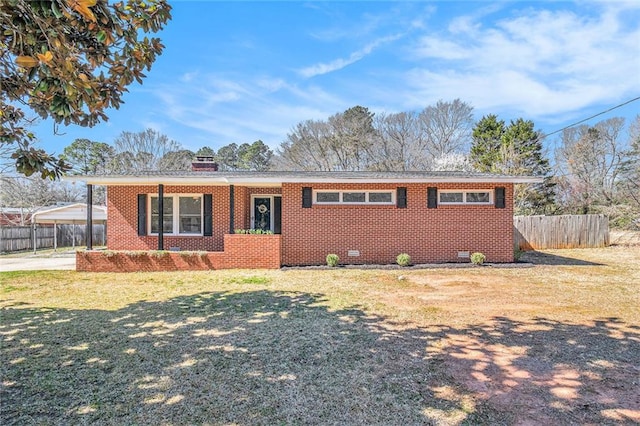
(278, 181)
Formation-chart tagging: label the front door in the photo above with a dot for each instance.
(265, 212)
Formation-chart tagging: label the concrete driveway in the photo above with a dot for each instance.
(34, 262)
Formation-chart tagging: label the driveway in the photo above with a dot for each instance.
(56, 261)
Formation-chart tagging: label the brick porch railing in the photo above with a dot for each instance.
(240, 251)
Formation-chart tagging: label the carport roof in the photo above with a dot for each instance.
(71, 213)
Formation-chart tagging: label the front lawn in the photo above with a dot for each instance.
(558, 343)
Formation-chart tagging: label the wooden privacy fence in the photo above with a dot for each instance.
(559, 232)
(19, 238)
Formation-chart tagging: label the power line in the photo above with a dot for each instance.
(589, 118)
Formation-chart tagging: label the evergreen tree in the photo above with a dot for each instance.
(486, 141)
(515, 150)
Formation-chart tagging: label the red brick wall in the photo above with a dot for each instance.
(380, 233)
(122, 226)
(241, 251)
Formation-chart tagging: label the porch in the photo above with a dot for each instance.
(240, 251)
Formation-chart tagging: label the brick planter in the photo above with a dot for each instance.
(241, 251)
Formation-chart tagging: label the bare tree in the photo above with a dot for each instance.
(356, 139)
(447, 127)
(306, 148)
(630, 183)
(401, 145)
(591, 159)
(28, 194)
(145, 151)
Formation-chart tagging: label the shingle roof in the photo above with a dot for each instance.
(279, 177)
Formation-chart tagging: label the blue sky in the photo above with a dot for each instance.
(243, 71)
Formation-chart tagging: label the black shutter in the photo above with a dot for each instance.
(500, 197)
(401, 197)
(277, 215)
(432, 197)
(142, 214)
(207, 212)
(307, 197)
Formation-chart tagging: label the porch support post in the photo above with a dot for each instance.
(89, 227)
(161, 216)
(231, 209)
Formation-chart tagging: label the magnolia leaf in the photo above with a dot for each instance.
(46, 57)
(26, 62)
(82, 7)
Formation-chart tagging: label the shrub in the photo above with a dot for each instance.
(403, 259)
(332, 260)
(517, 254)
(478, 258)
(158, 254)
(253, 231)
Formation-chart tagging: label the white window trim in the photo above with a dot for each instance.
(464, 197)
(176, 214)
(366, 202)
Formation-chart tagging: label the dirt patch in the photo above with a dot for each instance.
(548, 373)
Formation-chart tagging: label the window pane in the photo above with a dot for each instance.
(190, 215)
(380, 197)
(327, 197)
(450, 197)
(168, 205)
(167, 220)
(477, 197)
(190, 206)
(167, 224)
(353, 197)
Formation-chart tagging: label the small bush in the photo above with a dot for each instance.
(158, 254)
(403, 259)
(332, 260)
(517, 254)
(253, 231)
(478, 258)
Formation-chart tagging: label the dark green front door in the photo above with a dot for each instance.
(267, 213)
(262, 213)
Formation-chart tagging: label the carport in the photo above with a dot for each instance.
(74, 214)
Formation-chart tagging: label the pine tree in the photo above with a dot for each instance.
(515, 150)
(486, 141)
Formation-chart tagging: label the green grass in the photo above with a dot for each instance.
(555, 344)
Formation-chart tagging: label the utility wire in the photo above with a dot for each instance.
(589, 118)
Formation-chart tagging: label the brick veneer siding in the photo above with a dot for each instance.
(380, 233)
(241, 251)
(122, 225)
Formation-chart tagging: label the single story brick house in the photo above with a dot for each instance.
(363, 217)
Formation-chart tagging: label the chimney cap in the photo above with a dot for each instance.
(204, 163)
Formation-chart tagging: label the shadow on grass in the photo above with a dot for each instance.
(539, 258)
(283, 358)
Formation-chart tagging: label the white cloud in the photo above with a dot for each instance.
(261, 108)
(539, 63)
(337, 64)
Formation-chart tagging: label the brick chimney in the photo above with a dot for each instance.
(204, 164)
